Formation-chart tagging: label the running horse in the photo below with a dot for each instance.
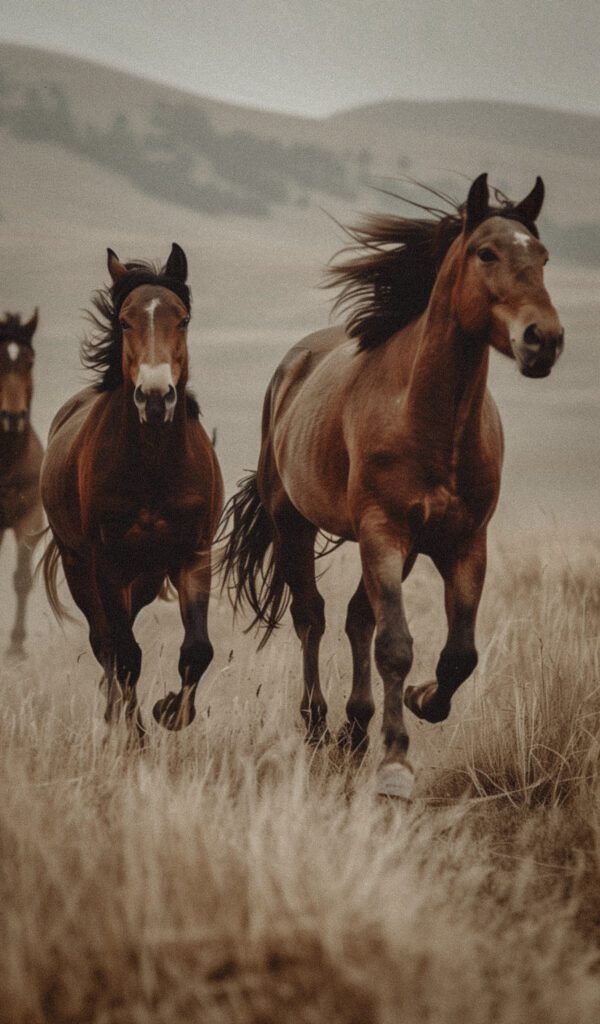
(132, 487)
(20, 459)
(384, 433)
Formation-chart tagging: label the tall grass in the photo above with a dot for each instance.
(230, 873)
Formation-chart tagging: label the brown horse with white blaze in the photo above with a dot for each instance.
(20, 459)
(132, 487)
(386, 434)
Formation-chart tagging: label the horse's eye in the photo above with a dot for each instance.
(487, 255)
(184, 323)
(124, 325)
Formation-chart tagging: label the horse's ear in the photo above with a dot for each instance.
(477, 204)
(116, 269)
(529, 208)
(30, 326)
(176, 265)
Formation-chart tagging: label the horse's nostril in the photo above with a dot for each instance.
(532, 336)
(138, 396)
(171, 395)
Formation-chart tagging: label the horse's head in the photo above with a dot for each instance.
(153, 321)
(500, 290)
(16, 371)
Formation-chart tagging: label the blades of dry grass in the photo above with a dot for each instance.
(231, 874)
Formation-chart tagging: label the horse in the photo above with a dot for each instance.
(20, 460)
(132, 487)
(383, 432)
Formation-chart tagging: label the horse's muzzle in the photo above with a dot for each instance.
(153, 407)
(538, 351)
(13, 422)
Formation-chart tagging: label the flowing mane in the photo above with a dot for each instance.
(11, 329)
(387, 282)
(102, 352)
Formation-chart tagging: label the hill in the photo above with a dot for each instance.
(91, 157)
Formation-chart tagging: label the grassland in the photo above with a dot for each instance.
(230, 874)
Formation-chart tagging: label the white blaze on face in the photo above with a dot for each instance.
(521, 238)
(13, 351)
(150, 308)
(157, 379)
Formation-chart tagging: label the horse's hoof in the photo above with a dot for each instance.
(427, 702)
(353, 739)
(395, 780)
(175, 711)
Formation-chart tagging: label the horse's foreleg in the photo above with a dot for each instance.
(360, 626)
(177, 710)
(106, 607)
(463, 581)
(384, 553)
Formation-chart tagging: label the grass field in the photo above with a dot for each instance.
(231, 874)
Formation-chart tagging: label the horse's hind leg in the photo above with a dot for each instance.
(360, 626)
(177, 710)
(294, 549)
(463, 582)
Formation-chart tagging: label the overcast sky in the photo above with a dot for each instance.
(317, 56)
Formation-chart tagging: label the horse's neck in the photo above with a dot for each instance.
(449, 374)
(155, 451)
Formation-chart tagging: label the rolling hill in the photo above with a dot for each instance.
(91, 157)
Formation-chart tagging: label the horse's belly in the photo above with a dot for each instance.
(314, 474)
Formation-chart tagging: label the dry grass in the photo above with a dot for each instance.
(230, 874)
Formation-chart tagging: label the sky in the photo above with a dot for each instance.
(314, 57)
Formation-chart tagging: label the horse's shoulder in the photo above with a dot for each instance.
(81, 402)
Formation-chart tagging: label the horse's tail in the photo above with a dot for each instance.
(49, 564)
(250, 570)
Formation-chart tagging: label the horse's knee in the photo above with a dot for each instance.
(393, 655)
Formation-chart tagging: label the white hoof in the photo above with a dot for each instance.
(396, 780)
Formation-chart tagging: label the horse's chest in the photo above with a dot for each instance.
(152, 527)
(448, 517)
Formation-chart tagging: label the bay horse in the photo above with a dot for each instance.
(132, 487)
(20, 459)
(384, 433)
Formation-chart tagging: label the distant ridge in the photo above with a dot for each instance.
(517, 124)
(213, 157)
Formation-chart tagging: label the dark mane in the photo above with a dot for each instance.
(102, 352)
(11, 329)
(395, 260)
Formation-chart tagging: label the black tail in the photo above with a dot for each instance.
(49, 564)
(248, 562)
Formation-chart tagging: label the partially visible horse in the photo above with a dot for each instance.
(20, 458)
(385, 434)
(132, 487)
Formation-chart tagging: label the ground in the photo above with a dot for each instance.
(231, 873)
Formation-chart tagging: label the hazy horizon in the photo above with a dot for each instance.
(279, 56)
